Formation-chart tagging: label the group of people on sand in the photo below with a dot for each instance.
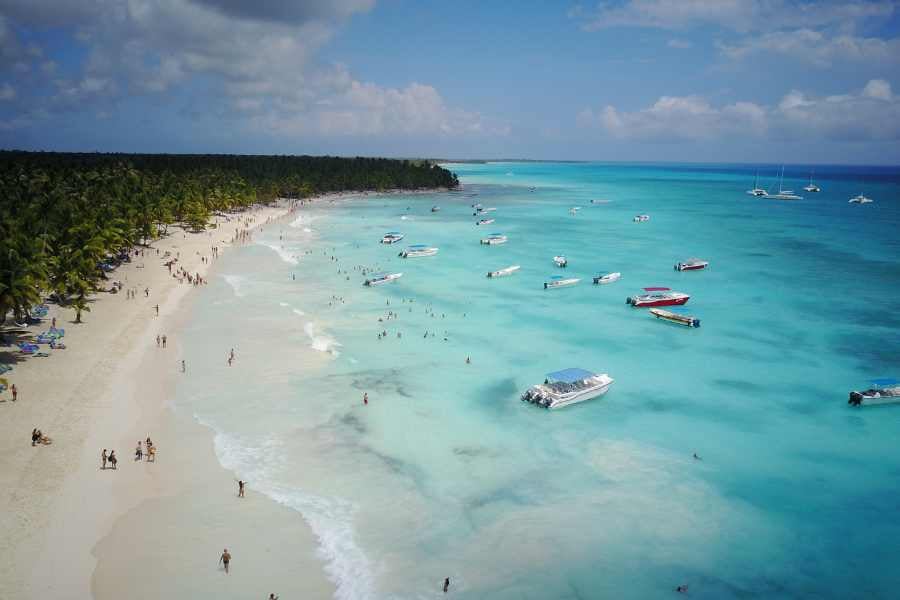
(108, 458)
(38, 437)
(150, 453)
(161, 340)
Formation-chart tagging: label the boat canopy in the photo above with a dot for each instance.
(392, 233)
(495, 234)
(657, 289)
(570, 375)
(885, 381)
(418, 246)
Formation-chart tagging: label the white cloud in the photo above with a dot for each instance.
(679, 44)
(815, 47)
(737, 15)
(872, 113)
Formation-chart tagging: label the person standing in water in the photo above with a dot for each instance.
(225, 559)
(183, 367)
(366, 398)
(241, 484)
(446, 584)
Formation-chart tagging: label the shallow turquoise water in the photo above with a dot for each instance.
(447, 473)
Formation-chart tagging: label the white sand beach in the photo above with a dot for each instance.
(146, 529)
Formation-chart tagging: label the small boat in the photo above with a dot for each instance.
(480, 210)
(379, 278)
(391, 237)
(641, 218)
(504, 272)
(882, 391)
(558, 281)
(561, 261)
(600, 201)
(812, 187)
(494, 239)
(692, 264)
(574, 210)
(673, 317)
(418, 250)
(784, 194)
(568, 386)
(757, 191)
(604, 278)
(657, 296)
(435, 208)
(485, 222)
(861, 199)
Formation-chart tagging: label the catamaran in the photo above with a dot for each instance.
(494, 239)
(657, 296)
(379, 278)
(692, 264)
(674, 317)
(568, 386)
(861, 199)
(882, 391)
(812, 187)
(558, 281)
(784, 194)
(604, 278)
(418, 250)
(391, 237)
(504, 272)
(757, 191)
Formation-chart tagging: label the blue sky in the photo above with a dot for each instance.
(684, 80)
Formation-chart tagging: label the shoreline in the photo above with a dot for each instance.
(109, 389)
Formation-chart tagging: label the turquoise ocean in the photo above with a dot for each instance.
(446, 473)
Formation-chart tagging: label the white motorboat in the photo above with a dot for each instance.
(558, 281)
(568, 386)
(504, 272)
(485, 222)
(784, 194)
(494, 239)
(486, 210)
(418, 250)
(692, 264)
(757, 191)
(641, 218)
(391, 237)
(882, 391)
(435, 208)
(380, 278)
(604, 278)
(561, 261)
(812, 187)
(861, 199)
(600, 201)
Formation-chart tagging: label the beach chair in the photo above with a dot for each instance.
(27, 348)
(5, 368)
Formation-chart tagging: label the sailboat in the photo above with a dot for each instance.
(812, 187)
(861, 199)
(757, 191)
(784, 194)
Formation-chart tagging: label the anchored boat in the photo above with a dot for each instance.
(435, 208)
(504, 272)
(882, 391)
(485, 222)
(674, 317)
(641, 218)
(861, 199)
(379, 278)
(558, 281)
(568, 386)
(391, 237)
(561, 261)
(418, 250)
(657, 296)
(604, 278)
(494, 239)
(692, 264)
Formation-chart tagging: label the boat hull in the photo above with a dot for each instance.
(554, 401)
(612, 277)
(550, 285)
(690, 267)
(674, 318)
(639, 303)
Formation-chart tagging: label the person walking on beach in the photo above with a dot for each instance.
(138, 452)
(225, 559)
(112, 459)
(164, 341)
(103, 460)
(366, 398)
(157, 340)
(15, 392)
(446, 584)
(241, 488)
(157, 310)
(183, 367)
(147, 292)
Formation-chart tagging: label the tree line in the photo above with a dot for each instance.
(64, 216)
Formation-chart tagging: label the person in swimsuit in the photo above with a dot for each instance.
(366, 398)
(103, 459)
(112, 459)
(446, 584)
(225, 559)
(241, 488)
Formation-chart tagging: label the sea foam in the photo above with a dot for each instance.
(321, 342)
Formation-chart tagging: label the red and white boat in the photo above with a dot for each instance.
(657, 296)
(692, 264)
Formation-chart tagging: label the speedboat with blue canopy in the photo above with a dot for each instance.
(417, 250)
(568, 386)
(379, 278)
(558, 281)
(885, 390)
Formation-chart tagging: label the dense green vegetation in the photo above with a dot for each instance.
(63, 215)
